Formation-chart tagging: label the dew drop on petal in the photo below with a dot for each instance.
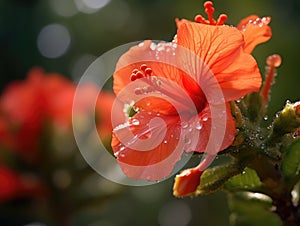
(198, 126)
(135, 122)
(184, 125)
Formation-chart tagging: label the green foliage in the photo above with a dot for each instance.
(251, 209)
(246, 181)
(290, 166)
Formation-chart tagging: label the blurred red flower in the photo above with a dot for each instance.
(14, 185)
(27, 105)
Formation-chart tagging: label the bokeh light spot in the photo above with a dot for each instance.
(90, 6)
(53, 40)
(64, 8)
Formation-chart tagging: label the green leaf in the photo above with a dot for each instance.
(251, 209)
(247, 181)
(290, 166)
(214, 178)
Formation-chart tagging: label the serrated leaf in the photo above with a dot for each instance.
(290, 166)
(214, 178)
(251, 209)
(248, 181)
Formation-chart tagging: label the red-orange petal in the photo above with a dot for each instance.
(144, 149)
(221, 49)
(254, 33)
(205, 134)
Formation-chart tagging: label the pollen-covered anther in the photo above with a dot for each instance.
(209, 10)
(142, 72)
(222, 18)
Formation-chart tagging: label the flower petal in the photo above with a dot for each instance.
(146, 148)
(205, 135)
(256, 30)
(221, 49)
(167, 78)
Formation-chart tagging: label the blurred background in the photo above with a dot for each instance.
(65, 36)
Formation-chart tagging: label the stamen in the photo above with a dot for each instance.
(200, 19)
(142, 72)
(133, 77)
(273, 62)
(209, 10)
(222, 18)
(143, 67)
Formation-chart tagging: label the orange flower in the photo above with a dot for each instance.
(221, 49)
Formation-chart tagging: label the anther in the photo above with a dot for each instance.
(209, 10)
(200, 19)
(221, 20)
(143, 67)
(139, 74)
(134, 71)
(133, 77)
(148, 71)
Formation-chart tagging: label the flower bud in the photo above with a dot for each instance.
(187, 182)
(287, 121)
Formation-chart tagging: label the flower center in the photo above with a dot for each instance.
(162, 86)
(209, 10)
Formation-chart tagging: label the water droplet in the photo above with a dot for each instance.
(205, 118)
(165, 141)
(122, 148)
(135, 122)
(148, 104)
(190, 129)
(243, 172)
(266, 117)
(198, 126)
(184, 125)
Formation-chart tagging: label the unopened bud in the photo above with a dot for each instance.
(287, 121)
(186, 182)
